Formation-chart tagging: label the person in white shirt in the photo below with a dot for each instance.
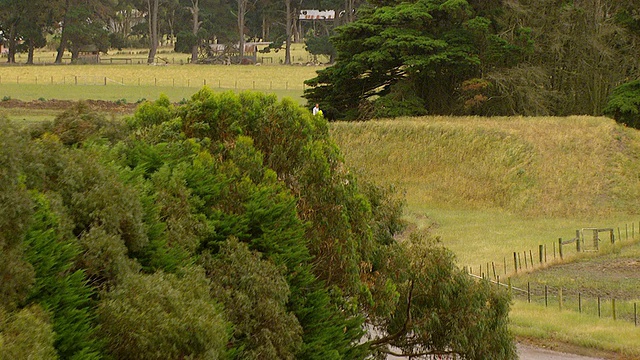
(316, 109)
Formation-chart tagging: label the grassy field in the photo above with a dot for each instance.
(490, 187)
(134, 82)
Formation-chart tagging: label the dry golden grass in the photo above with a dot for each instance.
(559, 167)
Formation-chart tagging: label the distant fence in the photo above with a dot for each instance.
(562, 299)
(593, 304)
(557, 251)
(221, 83)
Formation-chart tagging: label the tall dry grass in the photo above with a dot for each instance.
(543, 166)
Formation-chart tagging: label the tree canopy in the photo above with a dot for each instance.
(473, 57)
(232, 223)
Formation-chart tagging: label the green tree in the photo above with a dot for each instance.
(83, 24)
(583, 50)
(26, 334)
(60, 289)
(255, 295)
(428, 44)
(261, 190)
(437, 308)
(15, 215)
(624, 104)
(163, 316)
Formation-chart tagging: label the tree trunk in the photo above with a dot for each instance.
(64, 38)
(195, 11)
(242, 8)
(287, 53)
(153, 30)
(32, 46)
(11, 56)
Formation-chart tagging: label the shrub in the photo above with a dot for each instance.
(624, 104)
(26, 334)
(163, 316)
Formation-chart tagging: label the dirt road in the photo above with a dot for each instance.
(528, 352)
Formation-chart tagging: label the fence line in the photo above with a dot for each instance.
(525, 260)
(220, 83)
(545, 294)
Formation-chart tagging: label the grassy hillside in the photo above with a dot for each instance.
(476, 181)
(560, 167)
(493, 186)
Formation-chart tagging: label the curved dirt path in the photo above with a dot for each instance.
(527, 352)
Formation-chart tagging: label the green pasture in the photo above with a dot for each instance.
(129, 94)
(28, 115)
(136, 82)
(550, 325)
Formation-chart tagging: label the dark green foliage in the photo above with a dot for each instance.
(254, 293)
(60, 289)
(26, 334)
(409, 58)
(96, 196)
(242, 198)
(163, 316)
(624, 104)
(15, 214)
(298, 255)
(185, 40)
(319, 45)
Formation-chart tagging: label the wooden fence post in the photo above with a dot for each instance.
(546, 297)
(560, 248)
(520, 261)
(505, 264)
(540, 248)
(578, 240)
(531, 257)
(580, 303)
(515, 262)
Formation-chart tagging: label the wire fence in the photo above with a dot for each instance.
(220, 83)
(591, 303)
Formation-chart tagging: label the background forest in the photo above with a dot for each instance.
(393, 58)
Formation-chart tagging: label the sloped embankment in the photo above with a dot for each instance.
(536, 166)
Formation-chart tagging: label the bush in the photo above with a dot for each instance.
(624, 104)
(163, 316)
(26, 334)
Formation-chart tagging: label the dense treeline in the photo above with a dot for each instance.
(228, 227)
(480, 57)
(393, 57)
